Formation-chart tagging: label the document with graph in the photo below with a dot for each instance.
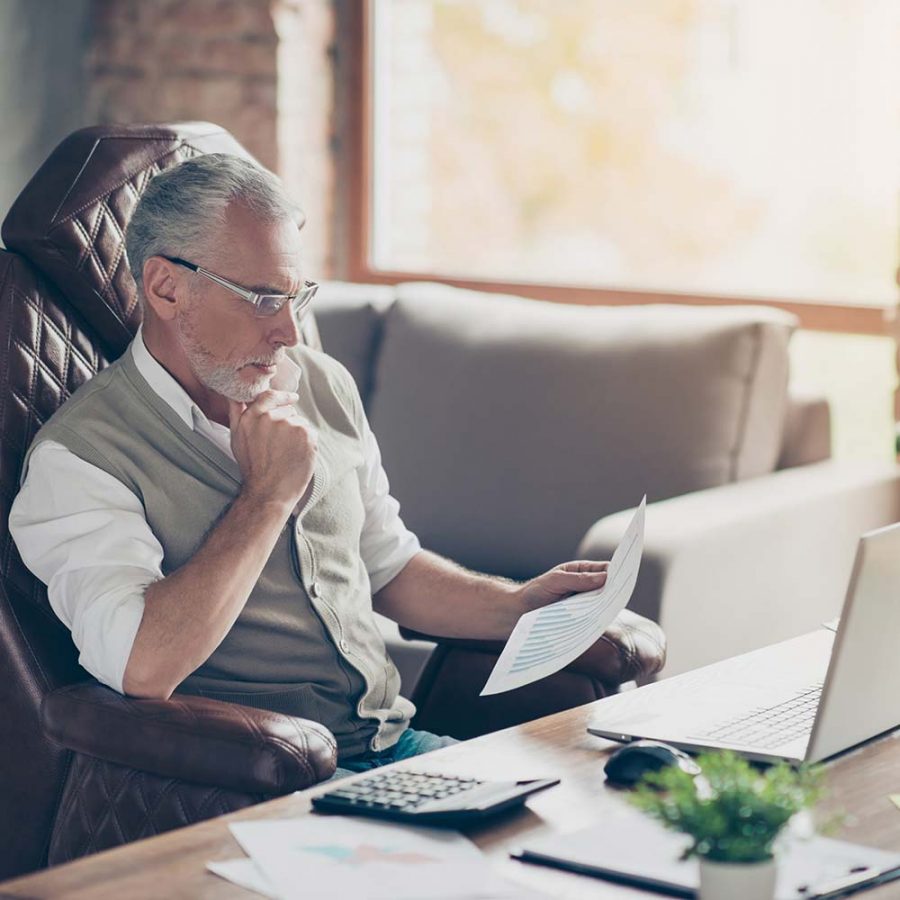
(547, 639)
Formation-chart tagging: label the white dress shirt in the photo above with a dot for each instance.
(84, 534)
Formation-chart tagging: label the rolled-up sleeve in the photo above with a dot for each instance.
(84, 534)
(386, 544)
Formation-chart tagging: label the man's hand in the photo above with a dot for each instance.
(562, 581)
(275, 447)
(276, 451)
(463, 604)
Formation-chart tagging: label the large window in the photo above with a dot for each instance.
(713, 146)
(701, 149)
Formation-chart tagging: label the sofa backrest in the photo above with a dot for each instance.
(508, 426)
(351, 318)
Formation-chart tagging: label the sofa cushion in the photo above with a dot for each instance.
(349, 319)
(508, 426)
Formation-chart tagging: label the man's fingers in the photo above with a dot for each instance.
(267, 401)
(584, 566)
(235, 411)
(290, 414)
(280, 413)
(584, 577)
(273, 399)
(579, 581)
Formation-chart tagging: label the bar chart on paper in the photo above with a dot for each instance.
(334, 857)
(547, 639)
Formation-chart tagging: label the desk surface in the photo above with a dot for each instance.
(173, 865)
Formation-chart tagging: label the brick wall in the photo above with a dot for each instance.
(260, 68)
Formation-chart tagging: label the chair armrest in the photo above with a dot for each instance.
(631, 648)
(192, 739)
(448, 699)
(734, 568)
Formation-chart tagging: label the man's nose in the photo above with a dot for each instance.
(286, 329)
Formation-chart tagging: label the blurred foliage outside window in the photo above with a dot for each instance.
(733, 147)
(857, 374)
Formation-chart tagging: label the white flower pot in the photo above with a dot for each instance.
(737, 881)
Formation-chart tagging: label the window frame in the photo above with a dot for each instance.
(354, 25)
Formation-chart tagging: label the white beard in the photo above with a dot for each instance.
(224, 379)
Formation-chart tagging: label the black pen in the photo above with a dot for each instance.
(858, 875)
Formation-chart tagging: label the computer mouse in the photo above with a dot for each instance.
(625, 767)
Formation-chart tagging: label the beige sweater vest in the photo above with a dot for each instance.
(306, 643)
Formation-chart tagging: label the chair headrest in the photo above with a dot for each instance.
(69, 221)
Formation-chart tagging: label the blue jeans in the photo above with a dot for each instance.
(411, 743)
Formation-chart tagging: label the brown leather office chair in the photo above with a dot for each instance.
(81, 767)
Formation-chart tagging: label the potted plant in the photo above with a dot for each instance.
(733, 814)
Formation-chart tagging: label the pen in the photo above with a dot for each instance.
(856, 876)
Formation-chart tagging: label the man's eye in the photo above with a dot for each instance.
(270, 304)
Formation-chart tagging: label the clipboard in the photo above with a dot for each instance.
(632, 849)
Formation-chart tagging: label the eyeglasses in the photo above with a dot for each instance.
(266, 304)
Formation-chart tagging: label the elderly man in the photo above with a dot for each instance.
(210, 513)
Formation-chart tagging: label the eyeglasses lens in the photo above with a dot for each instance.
(269, 304)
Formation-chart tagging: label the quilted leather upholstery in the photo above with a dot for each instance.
(192, 738)
(45, 354)
(67, 308)
(105, 805)
(70, 219)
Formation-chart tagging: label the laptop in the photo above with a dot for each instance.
(801, 700)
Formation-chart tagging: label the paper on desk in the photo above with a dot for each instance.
(629, 846)
(244, 873)
(547, 639)
(334, 857)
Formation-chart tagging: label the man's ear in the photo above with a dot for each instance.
(159, 287)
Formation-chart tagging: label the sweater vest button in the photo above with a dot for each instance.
(344, 646)
(314, 589)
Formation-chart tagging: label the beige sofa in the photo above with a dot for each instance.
(518, 434)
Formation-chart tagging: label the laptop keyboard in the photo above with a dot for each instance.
(770, 727)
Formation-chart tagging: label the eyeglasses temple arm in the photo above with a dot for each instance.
(182, 262)
(252, 296)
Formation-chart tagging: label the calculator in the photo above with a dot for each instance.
(418, 797)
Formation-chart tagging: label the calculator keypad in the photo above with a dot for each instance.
(426, 799)
(402, 790)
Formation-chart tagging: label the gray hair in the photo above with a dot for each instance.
(183, 207)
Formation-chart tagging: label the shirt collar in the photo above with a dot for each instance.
(164, 384)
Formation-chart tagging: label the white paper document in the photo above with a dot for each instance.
(547, 639)
(244, 873)
(632, 848)
(335, 857)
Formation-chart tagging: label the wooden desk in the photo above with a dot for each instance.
(173, 865)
